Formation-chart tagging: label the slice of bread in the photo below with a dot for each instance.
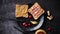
(21, 11)
(36, 11)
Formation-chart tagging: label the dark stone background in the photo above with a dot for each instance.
(7, 15)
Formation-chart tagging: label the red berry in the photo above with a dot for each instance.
(29, 24)
(25, 25)
(30, 16)
(49, 28)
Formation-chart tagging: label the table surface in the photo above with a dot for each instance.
(7, 14)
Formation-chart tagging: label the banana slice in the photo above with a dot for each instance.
(34, 22)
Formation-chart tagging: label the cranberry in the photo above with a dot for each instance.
(25, 25)
(30, 16)
(49, 28)
(29, 24)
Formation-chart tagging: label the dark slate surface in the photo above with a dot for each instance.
(7, 15)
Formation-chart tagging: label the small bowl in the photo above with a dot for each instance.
(40, 31)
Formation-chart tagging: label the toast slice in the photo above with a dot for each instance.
(36, 11)
(21, 11)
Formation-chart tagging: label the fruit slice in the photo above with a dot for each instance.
(34, 22)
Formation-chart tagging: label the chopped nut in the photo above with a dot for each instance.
(48, 12)
(50, 18)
